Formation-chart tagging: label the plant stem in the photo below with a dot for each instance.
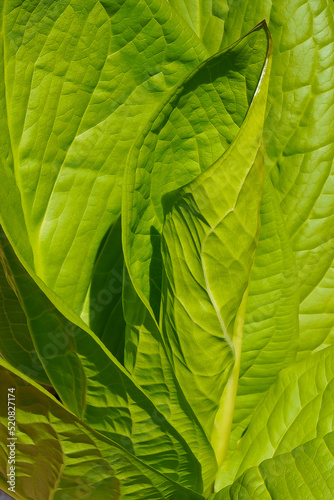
(224, 417)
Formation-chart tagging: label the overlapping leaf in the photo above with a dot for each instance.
(271, 335)
(16, 344)
(193, 128)
(142, 238)
(78, 82)
(144, 347)
(298, 407)
(299, 149)
(299, 143)
(81, 81)
(94, 386)
(305, 472)
(211, 229)
(60, 457)
(105, 314)
(206, 18)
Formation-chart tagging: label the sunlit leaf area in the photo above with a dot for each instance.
(166, 249)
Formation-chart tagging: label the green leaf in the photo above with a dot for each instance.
(105, 311)
(60, 457)
(299, 150)
(299, 147)
(16, 344)
(191, 130)
(205, 18)
(202, 324)
(270, 339)
(82, 85)
(299, 143)
(147, 362)
(78, 82)
(211, 229)
(95, 387)
(306, 472)
(143, 337)
(297, 408)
